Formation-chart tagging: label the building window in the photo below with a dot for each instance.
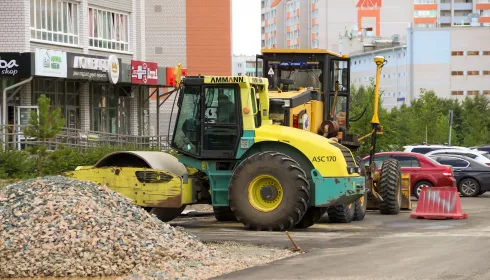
(54, 21)
(486, 72)
(457, 73)
(473, 73)
(486, 92)
(473, 53)
(424, 14)
(457, 92)
(473, 92)
(110, 109)
(457, 53)
(108, 30)
(486, 52)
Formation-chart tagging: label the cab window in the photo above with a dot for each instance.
(221, 121)
(187, 136)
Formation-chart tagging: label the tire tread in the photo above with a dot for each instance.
(296, 174)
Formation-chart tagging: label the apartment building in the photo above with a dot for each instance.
(447, 13)
(324, 23)
(244, 65)
(80, 54)
(454, 62)
(98, 60)
(334, 24)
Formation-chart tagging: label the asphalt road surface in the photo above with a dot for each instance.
(379, 247)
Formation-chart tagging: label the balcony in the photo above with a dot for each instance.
(445, 20)
(457, 6)
(459, 19)
(445, 6)
(463, 6)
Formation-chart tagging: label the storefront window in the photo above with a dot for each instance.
(144, 111)
(65, 95)
(110, 109)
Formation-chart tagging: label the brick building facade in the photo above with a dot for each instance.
(67, 29)
(155, 31)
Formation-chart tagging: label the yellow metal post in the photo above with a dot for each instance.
(178, 75)
(379, 60)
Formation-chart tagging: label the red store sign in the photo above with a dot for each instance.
(143, 72)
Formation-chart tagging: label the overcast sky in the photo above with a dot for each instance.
(246, 26)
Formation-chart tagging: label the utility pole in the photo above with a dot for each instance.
(451, 114)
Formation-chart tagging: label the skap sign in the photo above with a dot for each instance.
(144, 72)
(15, 64)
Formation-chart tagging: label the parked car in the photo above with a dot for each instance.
(424, 149)
(472, 177)
(485, 148)
(423, 170)
(481, 156)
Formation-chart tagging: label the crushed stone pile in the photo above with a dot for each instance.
(56, 226)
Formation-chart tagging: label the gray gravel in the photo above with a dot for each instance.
(55, 226)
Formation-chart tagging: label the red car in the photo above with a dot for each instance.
(423, 170)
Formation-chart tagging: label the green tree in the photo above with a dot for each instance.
(361, 113)
(44, 126)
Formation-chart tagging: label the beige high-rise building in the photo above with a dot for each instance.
(335, 24)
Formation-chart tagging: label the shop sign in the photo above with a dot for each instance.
(50, 63)
(93, 67)
(15, 64)
(144, 72)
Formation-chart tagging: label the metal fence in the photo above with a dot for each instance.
(78, 138)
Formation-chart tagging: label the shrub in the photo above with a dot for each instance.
(15, 164)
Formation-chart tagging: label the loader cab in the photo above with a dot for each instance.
(209, 123)
(298, 77)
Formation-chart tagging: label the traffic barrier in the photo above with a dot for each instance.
(439, 203)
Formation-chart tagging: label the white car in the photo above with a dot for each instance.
(480, 156)
(424, 149)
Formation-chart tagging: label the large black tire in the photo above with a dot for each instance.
(341, 213)
(224, 214)
(390, 187)
(360, 205)
(312, 215)
(167, 214)
(294, 185)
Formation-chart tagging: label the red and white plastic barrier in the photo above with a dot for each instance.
(439, 203)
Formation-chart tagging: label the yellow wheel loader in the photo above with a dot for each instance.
(309, 90)
(232, 156)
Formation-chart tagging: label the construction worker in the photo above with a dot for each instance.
(226, 110)
(182, 138)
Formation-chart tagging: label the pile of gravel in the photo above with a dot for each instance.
(56, 226)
